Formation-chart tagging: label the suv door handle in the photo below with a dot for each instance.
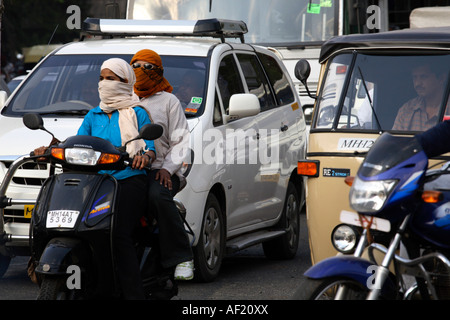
(284, 127)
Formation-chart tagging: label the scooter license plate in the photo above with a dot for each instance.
(62, 218)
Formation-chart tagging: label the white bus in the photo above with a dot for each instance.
(294, 29)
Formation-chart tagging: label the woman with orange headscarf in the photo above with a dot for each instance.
(165, 179)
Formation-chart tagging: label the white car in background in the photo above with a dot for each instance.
(247, 132)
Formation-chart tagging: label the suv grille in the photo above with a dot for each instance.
(30, 174)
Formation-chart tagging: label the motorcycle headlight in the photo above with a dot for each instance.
(370, 196)
(82, 156)
(344, 238)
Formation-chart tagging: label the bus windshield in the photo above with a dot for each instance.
(274, 22)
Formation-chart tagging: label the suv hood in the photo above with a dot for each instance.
(17, 140)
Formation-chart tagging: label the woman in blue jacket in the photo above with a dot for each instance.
(118, 119)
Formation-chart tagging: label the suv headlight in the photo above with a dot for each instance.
(370, 196)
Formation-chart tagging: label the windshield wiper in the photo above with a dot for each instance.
(370, 99)
(66, 112)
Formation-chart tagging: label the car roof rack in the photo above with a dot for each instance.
(217, 28)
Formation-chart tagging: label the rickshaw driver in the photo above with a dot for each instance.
(421, 112)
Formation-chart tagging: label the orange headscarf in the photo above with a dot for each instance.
(149, 82)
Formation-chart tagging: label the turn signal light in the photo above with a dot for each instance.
(431, 196)
(108, 158)
(349, 180)
(58, 153)
(308, 168)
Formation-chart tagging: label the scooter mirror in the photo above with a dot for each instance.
(33, 121)
(150, 131)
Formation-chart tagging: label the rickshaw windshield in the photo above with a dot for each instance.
(384, 92)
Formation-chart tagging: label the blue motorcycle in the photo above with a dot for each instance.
(399, 235)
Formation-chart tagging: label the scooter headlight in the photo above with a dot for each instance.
(370, 196)
(344, 238)
(82, 156)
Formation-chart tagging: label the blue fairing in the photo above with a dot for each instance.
(348, 267)
(343, 266)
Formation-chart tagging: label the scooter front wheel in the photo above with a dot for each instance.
(326, 289)
(55, 288)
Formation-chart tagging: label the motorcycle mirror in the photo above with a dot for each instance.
(34, 121)
(149, 131)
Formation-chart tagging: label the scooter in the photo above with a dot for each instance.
(399, 234)
(72, 224)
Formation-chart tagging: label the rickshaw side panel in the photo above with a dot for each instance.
(327, 194)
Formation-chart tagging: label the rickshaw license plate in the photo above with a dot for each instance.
(62, 218)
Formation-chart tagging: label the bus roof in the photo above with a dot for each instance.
(406, 38)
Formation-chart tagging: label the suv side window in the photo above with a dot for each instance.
(256, 80)
(278, 80)
(229, 80)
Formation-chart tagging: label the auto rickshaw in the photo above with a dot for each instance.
(395, 81)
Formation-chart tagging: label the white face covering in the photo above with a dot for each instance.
(117, 95)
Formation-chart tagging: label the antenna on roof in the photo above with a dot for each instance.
(54, 31)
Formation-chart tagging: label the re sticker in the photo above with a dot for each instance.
(335, 172)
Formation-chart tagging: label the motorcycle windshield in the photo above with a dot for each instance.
(388, 152)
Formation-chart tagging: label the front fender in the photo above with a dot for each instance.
(344, 266)
(57, 255)
(349, 267)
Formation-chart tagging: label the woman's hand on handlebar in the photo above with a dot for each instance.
(40, 152)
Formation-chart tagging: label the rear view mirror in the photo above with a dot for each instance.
(302, 70)
(150, 131)
(33, 121)
(243, 105)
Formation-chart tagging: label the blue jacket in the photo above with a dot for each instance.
(436, 140)
(97, 123)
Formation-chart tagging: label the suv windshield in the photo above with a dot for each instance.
(68, 84)
(368, 92)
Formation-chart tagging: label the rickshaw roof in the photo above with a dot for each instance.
(402, 39)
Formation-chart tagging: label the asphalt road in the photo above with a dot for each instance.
(246, 275)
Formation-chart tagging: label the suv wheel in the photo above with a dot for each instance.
(285, 246)
(209, 252)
